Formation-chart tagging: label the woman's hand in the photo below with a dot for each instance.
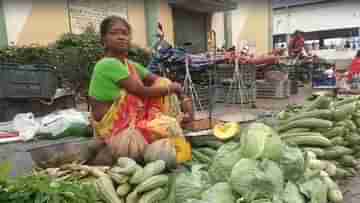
(135, 87)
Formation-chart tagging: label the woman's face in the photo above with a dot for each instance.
(118, 38)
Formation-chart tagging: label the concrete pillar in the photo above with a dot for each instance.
(228, 29)
(3, 34)
(152, 11)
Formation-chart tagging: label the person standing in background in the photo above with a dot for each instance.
(161, 43)
(296, 44)
(354, 67)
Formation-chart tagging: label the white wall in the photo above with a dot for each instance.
(16, 14)
(217, 24)
(316, 17)
(252, 25)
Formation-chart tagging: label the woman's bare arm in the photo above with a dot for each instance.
(150, 79)
(138, 89)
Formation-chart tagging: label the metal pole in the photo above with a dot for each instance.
(69, 15)
(211, 81)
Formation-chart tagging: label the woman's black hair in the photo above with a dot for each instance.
(108, 22)
(358, 54)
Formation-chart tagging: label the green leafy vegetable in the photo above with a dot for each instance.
(315, 190)
(223, 162)
(42, 189)
(292, 163)
(292, 194)
(190, 185)
(253, 179)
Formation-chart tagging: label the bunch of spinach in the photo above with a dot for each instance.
(42, 189)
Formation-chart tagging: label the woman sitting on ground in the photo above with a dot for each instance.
(124, 94)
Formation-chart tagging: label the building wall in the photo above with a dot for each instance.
(136, 17)
(43, 21)
(322, 16)
(46, 22)
(252, 25)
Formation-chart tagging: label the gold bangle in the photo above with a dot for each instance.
(186, 99)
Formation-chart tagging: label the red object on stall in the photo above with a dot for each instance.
(243, 59)
(264, 60)
(354, 68)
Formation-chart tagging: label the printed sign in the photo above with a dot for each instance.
(90, 13)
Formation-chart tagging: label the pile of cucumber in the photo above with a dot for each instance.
(328, 127)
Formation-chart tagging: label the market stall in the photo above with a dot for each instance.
(299, 157)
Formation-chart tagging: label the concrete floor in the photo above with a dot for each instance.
(236, 112)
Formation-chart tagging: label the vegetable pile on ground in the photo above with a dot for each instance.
(255, 167)
(328, 127)
(41, 188)
(127, 182)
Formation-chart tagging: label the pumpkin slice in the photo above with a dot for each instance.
(224, 131)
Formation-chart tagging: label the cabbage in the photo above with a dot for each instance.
(292, 163)
(253, 140)
(292, 194)
(220, 192)
(195, 201)
(228, 147)
(190, 185)
(227, 156)
(315, 190)
(273, 175)
(253, 179)
(262, 201)
(273, 148)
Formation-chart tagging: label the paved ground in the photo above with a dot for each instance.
(351, 190)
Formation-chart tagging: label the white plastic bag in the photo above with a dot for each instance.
(58, 122)
(26, 125)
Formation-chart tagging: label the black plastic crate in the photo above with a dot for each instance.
(10, 107)
(27, 81)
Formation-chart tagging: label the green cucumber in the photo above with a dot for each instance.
(306, 123)
(315, 141)
(289, 135)
(323, 114)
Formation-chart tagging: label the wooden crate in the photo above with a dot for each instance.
(201, 124)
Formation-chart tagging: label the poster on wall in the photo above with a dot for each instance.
(89, 13)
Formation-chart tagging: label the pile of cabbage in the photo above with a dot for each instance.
(258, 168)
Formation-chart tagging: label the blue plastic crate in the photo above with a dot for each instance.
(331, 82)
